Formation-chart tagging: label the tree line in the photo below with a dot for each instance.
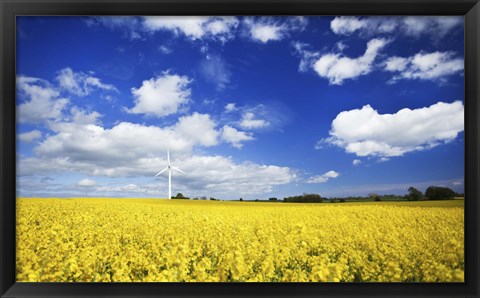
(180, 196)
(431, 193)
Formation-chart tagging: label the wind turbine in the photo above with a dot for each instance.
(169, 168)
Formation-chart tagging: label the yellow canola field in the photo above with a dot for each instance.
(146, 240)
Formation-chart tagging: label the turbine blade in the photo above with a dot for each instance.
(175, 168)
(161, 171)
(168, 156)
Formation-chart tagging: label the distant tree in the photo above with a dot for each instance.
(375, 197)
(241, 199)
(342, 200)
(180, 196)
(203, 198)
(392, 197)
(212, 199)
(439, 193)
(273, 199)
(256, 200)
(414, 194)
(305, 198)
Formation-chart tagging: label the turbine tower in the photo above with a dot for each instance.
(169, 168)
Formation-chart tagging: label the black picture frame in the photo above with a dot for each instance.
(9, 9)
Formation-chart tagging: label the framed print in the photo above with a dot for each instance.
(275, 148)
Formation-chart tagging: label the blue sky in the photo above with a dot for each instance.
(251, 107)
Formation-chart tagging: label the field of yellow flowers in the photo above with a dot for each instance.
(147, 240)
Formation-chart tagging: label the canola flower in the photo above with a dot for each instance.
(147, 240)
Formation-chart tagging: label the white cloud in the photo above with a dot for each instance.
(79, 83)
(165, 50)
(457, 182)
(434, 26)
(365, 132)
(396, 64)
(129, 26)
(367, 26)
(161, 96)
(209, 101)
(45, 105)
(424, 66)
(264, 117)
(30, 136)
(78, 143)
(235, 137)
(87, 182)
(341, 46)
(83, 117)
(323, 178)
(272, 29)
(438, 26)
(220, 28)
(221, 175)
(265, 33)
(197, 129)
(307, 56)
(320, 144)
(134, 150)
(122, 149)
(43, 102)
(248, 121)
(356, 162)
(217, 176)
(347, 25)
(337, 68)
(190, 26)
(214, 69)
(230, 107)
(129, 188)
(194, 27)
